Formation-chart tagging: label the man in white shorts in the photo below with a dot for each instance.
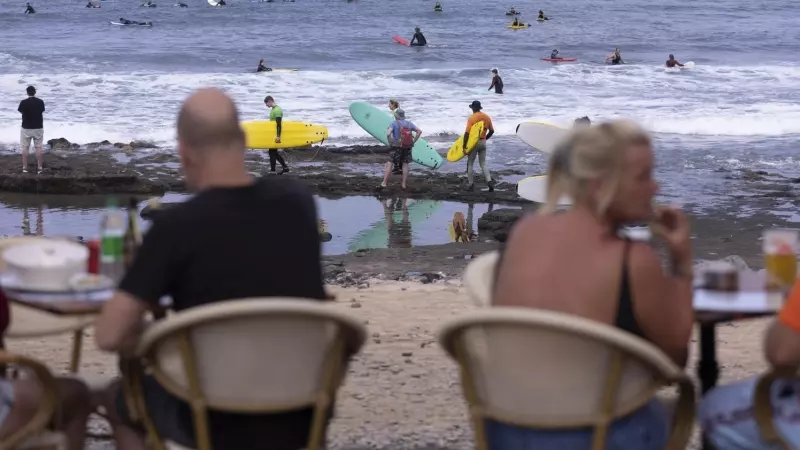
(32, 109)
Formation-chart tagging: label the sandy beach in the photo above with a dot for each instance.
(402, 391)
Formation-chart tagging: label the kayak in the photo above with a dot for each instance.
(400, 40)
(560, 59)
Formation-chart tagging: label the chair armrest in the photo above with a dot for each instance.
(684, 414)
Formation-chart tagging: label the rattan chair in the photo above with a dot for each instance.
(34, 434)
(479, 278)
(543, 369)
(262, 355)
(763, 410)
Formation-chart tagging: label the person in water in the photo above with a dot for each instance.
(275, 115)
(222, 3)
(182, 5)
(615, 58)
(512, 11)
(541, 16)
(672, 62)
(418, 40)
(149, 4)
(29, 9)
(517, 23)
(92, 5)
(437, 6)
(581, 122)
(125, 21)
(497, 83)
(554, 54)
(262, 67)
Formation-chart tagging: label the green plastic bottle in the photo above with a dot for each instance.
(112, 231)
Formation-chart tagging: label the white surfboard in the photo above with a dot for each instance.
(535, 190)
(213, 3)
(540, 135)
(688, 64)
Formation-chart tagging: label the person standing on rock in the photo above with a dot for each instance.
(32, 109)
(402, 135)
(480, 149)
(394, 105)
(276, 115)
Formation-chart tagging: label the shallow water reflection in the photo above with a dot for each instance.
(347, 224)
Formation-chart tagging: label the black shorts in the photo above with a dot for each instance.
(398, 156)
(172, 419)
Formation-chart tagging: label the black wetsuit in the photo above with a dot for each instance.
(263, 68)
(616, 59)
(554, 54)
(673, 63)
(126, 22)
(30, 10)
(497, 84)
(418, 40)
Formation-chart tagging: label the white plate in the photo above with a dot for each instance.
(9, 281)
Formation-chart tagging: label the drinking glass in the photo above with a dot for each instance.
(780, 255)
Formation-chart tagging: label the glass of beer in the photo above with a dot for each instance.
(780, 255)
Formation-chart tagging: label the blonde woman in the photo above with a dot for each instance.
(575, 262)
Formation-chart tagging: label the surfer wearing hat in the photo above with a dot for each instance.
(402, 134)
(275, 115)
(497, 83)
(418, 40)
(480, 147)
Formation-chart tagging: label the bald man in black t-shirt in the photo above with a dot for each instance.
(217, 246)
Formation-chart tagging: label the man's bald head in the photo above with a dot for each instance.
(208, 121)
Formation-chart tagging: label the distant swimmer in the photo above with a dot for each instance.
(222, 3)
(517, 23)
(29, 9)
(149, 4)
(615, 58)
(541, 16)
(554, 54)
(262, 67)
(672, 62)
(497, 83)
(512, 12)
(582, 122)
(418, 40)
(437, 7)
(91, 4)
(133, 22)
(182, 5)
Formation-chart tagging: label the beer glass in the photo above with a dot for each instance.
(780, 255)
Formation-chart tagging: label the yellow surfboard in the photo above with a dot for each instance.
(457, 152)
(260, 134)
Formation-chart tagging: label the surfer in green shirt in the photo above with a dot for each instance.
(276, 115)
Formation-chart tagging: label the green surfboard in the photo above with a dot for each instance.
(375, 122)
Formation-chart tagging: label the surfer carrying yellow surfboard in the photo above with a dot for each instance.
(275, 115)
(480, 147)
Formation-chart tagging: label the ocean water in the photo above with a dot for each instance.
(738, 108)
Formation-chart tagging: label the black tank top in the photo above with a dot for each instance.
(626, 316)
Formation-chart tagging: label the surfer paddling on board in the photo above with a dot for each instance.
(615, 58)
(262, 67)
(554, 54)
(275, 115)
(480, 147)
(497, 83)
(418, 40)
(672, 62)
(29, 9)
(541, 17)
(402, 134)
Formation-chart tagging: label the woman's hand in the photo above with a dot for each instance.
(673, 226)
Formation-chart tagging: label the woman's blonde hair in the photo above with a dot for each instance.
(587, 154)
